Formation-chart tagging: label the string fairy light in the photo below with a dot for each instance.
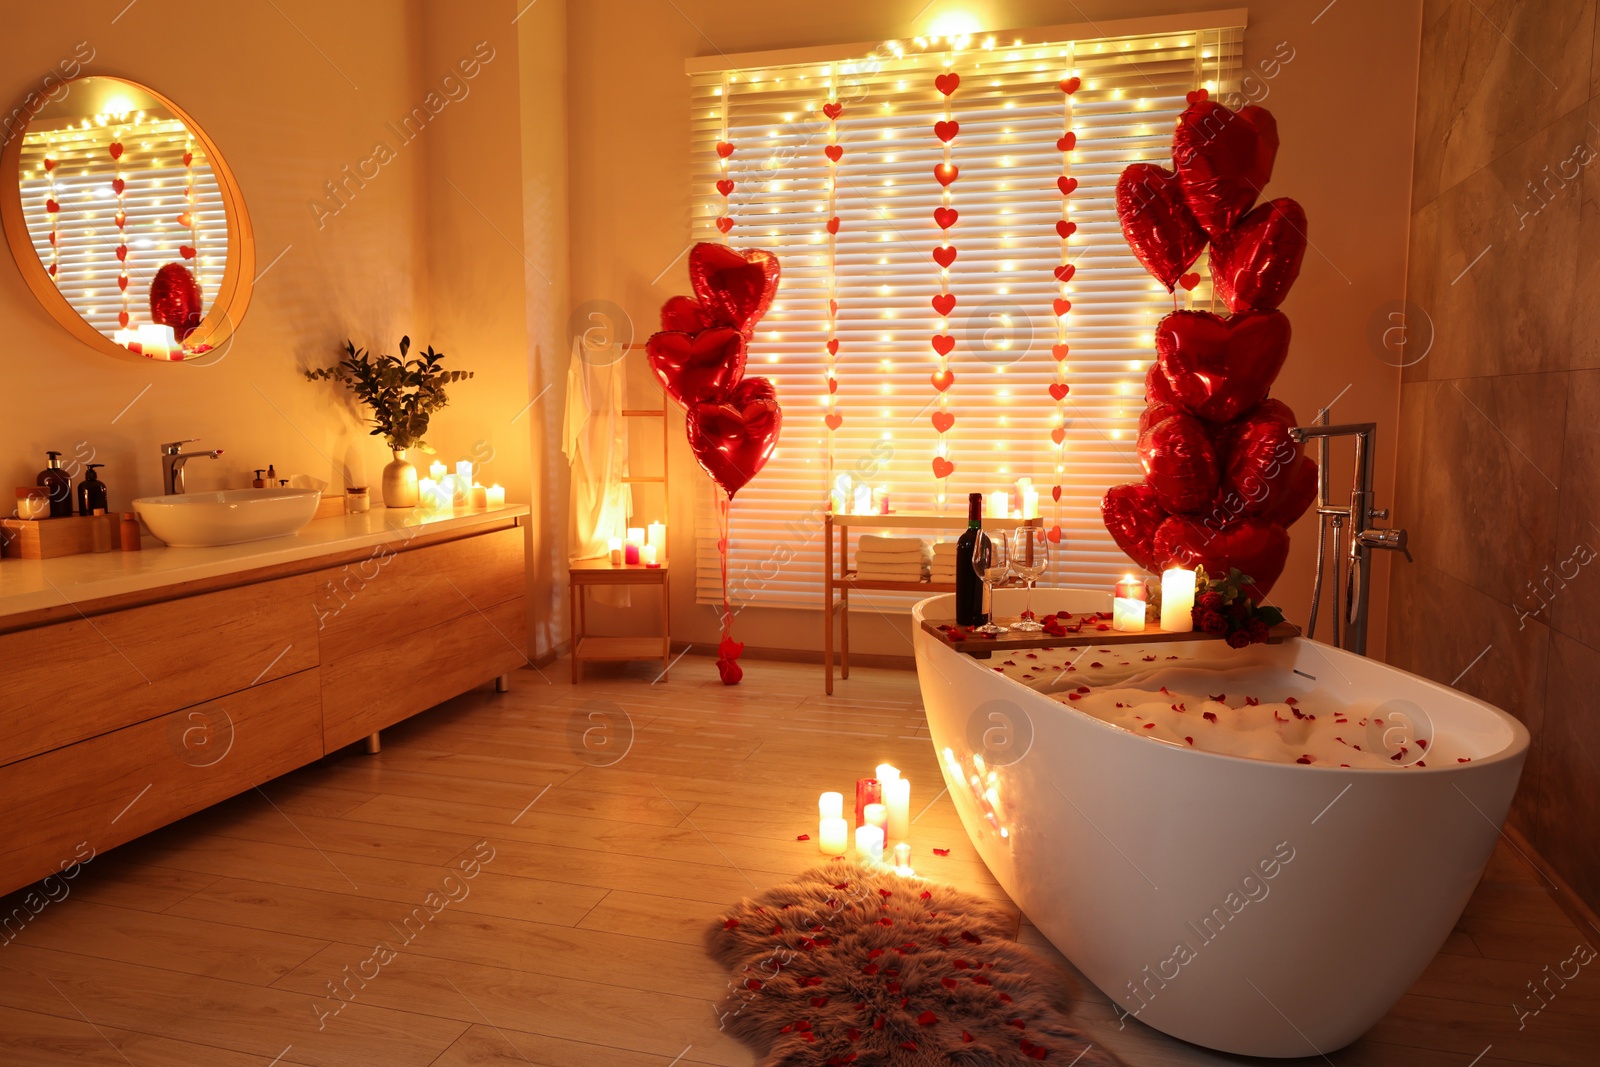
(833, 152)
(945, 216)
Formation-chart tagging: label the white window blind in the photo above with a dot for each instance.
(155, 193)
(1011, 111)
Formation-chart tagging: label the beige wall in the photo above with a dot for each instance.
(1498, 477)
(1346, 157)
(292, 93)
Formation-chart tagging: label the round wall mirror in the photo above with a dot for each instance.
(125, 221)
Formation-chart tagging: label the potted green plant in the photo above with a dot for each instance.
(402, 395)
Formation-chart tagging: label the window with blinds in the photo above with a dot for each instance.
(172, 210)
(1012, 112)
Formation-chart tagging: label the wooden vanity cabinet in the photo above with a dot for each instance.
(133, 713)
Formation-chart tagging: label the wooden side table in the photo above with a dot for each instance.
(837, 582)
(592, 648)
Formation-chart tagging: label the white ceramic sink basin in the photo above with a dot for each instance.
(227, 517)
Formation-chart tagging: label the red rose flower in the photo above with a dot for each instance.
(1212, 622)
(1210, 601)
(1239, 639)
(1259, 630)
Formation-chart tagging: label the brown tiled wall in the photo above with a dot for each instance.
(1499, 459)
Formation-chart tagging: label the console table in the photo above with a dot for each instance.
(837, 582)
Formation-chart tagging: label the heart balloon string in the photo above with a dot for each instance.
(699, 355)
(1223, 477)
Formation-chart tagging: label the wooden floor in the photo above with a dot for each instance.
(246, 935)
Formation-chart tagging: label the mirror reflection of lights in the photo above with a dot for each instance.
(984, 782)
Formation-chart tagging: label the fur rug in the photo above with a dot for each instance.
(851, 965)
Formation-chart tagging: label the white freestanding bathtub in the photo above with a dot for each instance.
(1259, 908)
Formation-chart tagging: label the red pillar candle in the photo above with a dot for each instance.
(868, 791)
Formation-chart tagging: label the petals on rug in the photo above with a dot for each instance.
(856, 965)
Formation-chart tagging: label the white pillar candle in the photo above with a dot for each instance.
(1177, 600)
(464, 470)
(437, 471)
(647, 556)
(495, 496)
(862, 504)
(833, 835)
(831, 805)
(869, 843)
(999, 504)
(876, 815)
(897, 799)
(636, 536)
(615, 545)
(902, 858)
(460, 490)
(1030, 503)
(428, 493)
(656, 538)
(479, 497)
(887, 771)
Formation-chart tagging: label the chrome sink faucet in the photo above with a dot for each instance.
(173, 459)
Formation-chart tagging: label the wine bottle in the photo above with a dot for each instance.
(969, 587)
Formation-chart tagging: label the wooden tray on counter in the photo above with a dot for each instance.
(984, 647)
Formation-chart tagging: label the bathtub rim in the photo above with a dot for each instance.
(1516, 748)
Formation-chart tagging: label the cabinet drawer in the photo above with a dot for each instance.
(69, 681)
(393, 593)
(115, 787)
(377, 687)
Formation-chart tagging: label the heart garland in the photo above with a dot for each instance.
(831, 416)
(1223, 477)
(699, 355)
(945, 216)
(1063, 274)
(118, 188)
(188, 250)
(52, 208)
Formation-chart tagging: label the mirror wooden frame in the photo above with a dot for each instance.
(238, 277)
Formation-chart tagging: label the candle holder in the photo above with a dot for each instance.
(1128, 608)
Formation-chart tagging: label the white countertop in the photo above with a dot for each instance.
(32, 585)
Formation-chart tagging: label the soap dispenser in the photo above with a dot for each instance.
(58, 484)
(272, 475)
(92, 492)
(258, 483)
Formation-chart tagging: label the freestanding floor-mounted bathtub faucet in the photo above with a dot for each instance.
(1349, 591)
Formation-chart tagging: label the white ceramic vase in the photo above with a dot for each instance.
(399, 482)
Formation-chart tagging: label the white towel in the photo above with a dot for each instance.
(891, 572)
(882, 543)
(944, 549)
(871, 555)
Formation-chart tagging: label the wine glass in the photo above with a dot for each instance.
(990, 564)
(1030, 555)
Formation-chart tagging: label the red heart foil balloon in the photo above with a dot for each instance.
(1156, 389)
(1257, 456)
(1179, 463)
(684, 314)
(1133, 514)
(736, 288)
(1224, 159)
(1254, 264)
(697, 368)
(1156, 222)
(1257, 547)
(1219, 368)
(175, 299)
(1155, 413)
(1297, 494)
(734, 439)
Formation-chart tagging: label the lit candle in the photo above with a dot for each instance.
(495, 496)
(158, 342)
(869, 843)
(635, 542)
(839, 498)
(1177, 600)
(897, 799)
(887, 772)
(428, 493)
(1030, 503)
(999, 504)
(656, 538)
(833, 834)
(437, 471)
(831, 806)
(647, 556)
(479, 497)
(464, 471)
(615, 544)
(1127, 609)
(868, 791)
(862, 505)
(461, 490)
(902, 860)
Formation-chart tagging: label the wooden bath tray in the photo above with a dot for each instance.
(984, 647)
